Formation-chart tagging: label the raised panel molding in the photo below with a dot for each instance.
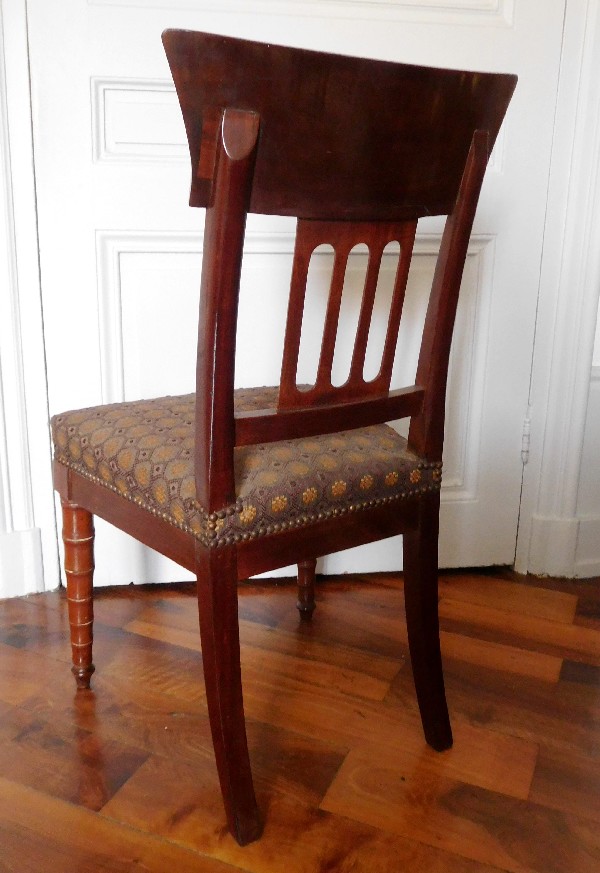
(136, 119)
(140, 120)
(465, 386)
(492, 12)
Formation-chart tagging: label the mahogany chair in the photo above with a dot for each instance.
(232, 483)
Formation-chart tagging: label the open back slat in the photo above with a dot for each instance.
(398, 294)
(357, 363)
(332, 318)
(343, 237)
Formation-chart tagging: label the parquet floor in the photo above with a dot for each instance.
(122, 778)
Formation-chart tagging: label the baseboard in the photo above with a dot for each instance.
(21, 566)
(587, 558)
(588, 547)
(553, 546)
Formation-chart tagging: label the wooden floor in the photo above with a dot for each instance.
(122, 778)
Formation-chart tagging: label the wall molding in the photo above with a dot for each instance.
(499, 13)
(160, 134)
(111, 246)
(21, 563)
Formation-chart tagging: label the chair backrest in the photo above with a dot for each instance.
(358, 150)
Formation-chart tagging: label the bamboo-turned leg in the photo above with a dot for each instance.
(422, 621)
(306, 588)
(78, 538)
(219, 633)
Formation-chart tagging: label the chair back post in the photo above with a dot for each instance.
(221, 269)
(426, 434)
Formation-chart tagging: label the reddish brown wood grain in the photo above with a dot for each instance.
(426, 434)
(125, 776)
(369, 140)
(221, 266)
(268, 425)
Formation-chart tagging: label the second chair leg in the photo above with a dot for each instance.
(78, 539)
(219, 631)
(306, 588)
(421, 601)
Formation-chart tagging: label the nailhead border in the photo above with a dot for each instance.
(211, 540)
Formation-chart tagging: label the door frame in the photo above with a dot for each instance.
(567, 309)
(28, 539)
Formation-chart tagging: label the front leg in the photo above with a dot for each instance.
(78, 539)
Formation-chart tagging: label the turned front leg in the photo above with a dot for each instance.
(78, 538)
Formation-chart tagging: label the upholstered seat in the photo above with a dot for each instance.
(144, 451)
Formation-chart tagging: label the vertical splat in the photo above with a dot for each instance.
(343, 237)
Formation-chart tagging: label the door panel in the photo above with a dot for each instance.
(121, 250)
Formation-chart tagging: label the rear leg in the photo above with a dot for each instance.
(219, 631)
(421, 601)
(306, 588)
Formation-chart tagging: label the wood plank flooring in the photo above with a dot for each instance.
(123, 779)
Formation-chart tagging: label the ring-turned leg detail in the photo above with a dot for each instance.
(78, 539)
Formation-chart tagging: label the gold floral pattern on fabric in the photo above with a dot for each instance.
(247, 516)
(338, 488)
(144, 452)
(279, 503)
(310, 495)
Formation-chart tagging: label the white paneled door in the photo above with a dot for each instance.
(120, 249)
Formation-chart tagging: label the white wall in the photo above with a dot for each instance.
(563, 439)
(115, 228)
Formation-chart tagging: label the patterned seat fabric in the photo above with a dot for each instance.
(144, 451)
